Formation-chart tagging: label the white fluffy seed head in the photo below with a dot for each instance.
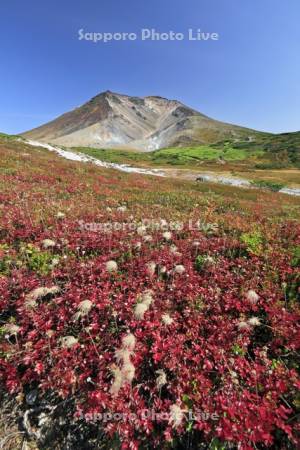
(176, 415)
(117, 373)
(30, 304)
(122, 208)
(129, 341)
(11, 329)
(141, 230)
(147, 238)
(140, 310)
(252, 296)
(128, 372)
(60, 215)
(161, 380)
(54, 290)
(180, 269)
(118, 380)
(55, 262)
(123, 355)
(243, 325)
(85, 306)
(166, 319)
(68, 341)
(38, 294)
(115, 387)
(167, 235)
(111, 266)
(151, 267)
(146, 297)
(138, 245)
(48, 243)
(209, 260)
(254, 321)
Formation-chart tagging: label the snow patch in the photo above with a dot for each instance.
(72, 156)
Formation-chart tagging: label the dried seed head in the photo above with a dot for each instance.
(167, 320)
(11, 329)
(141, 230)
(252, 296)
(111, 266)
(138, 245)
(161, 380)
(128, 372)
(146, 297)
(115, 387)
(254, 321)
(140, 310)
(123, 355)
(167, 235)
(118, 380)
(85, 306)
(50, 333)
(48, 243)
(243, 325)
(54, 290)
(39, 293)
(122, 208)
(177, 415)
(68, 341)
(180, 269)
(129, 341)
(151, 267)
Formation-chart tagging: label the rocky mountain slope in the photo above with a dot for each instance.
(113, 120)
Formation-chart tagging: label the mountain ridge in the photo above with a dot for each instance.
(113, 120)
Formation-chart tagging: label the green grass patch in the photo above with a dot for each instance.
(8, 137)
(270, 185)
(183, 156)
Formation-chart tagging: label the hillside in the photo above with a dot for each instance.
(174, 302)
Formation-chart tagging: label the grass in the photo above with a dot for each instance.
(279, 150)
(116, 156)
(174, 156)
(265, 184)
(204, 153)
(251, 164)
(8, 137)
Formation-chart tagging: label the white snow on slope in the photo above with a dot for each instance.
(239, 182)
(72, 156)
(67, 154)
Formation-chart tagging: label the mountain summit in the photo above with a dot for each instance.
(112, 120)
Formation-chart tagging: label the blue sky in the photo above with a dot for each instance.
(251, 76)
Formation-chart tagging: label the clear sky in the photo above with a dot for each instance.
(250, 76)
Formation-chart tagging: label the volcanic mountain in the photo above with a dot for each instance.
(112, 120)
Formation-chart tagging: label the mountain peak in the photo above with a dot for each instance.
(112, 120)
